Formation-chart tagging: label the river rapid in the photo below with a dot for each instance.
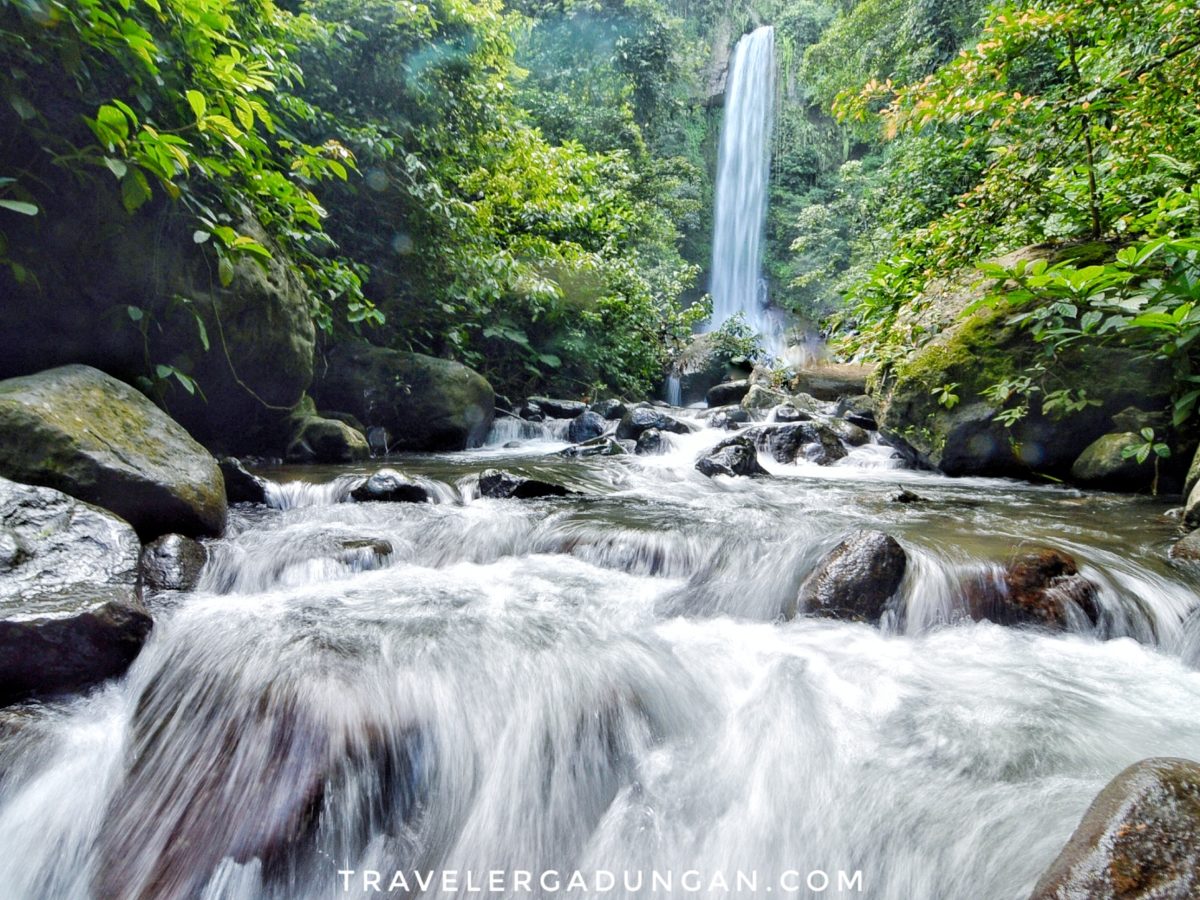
(603, 683)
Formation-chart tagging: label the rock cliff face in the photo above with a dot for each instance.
(128, 293)
(971, 353)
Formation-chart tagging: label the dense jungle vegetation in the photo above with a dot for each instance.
(527, 188)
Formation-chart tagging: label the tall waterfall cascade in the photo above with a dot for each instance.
(743, 169)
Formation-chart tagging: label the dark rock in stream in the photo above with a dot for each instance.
(322, 439)
(1042, 588)
(585, 426)
(79, 431)
(728, 393)
(640, 418)
(650, 443)
(811, 440)
(558, 409)
(72, 615)
(730, 419)
(173, 563)
(785, 412)
(390, 486)
(601, 446)
(855, 580)
(500, 485)
(733, 456)
(610, 409)
(1139, 840)
(1104, 464)
(240, 485)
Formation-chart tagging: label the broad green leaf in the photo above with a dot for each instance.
(18, 206)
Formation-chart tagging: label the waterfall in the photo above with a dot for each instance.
(743, 168)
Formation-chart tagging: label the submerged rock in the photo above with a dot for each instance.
(585, 426)
(1103, 463)
(173, 563)
(733, 456)
(640, 418)
(501, 485)
(650, 442)
(855, 580)
(86, 434)
(390, 486)
(69, 602)
(1139, 840)
(728, 393)
(1041, 588)
(424, 402)
(241, 486)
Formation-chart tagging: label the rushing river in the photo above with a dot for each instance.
(603, 684)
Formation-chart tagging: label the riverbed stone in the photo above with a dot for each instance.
(855, 580)
(650, 443)
(559, 409)
(172, 563)
(501, 485)
(82, 432)
(833, 381)
(727, 393)
(319, 439)
(241, 486)
(70, 609)
(763, 398)
(809, 440)
(1139, 840)
(610, 409)
(425, 403)
(1041, 587)
(640, 418)
(733, 456)
(390, 486)
(585, 426)
(1103, 463)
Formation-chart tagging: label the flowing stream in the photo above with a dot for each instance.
(603, 683)
(743, 169)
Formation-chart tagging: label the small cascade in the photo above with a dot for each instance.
(743, 170)
(674, 390)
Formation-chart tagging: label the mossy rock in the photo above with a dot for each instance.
(88, 435)
(1103, 463)
(425, 403)
(320, 440)
(982, 349)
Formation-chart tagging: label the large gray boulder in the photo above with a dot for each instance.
(79, 431)
(425, 403)
(733, 456)
(1139, 840)
(1103, 463)
(70, 613)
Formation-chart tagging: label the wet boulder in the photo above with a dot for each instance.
(762, 397)
(650, 442)
(1186, 549)
(500, 485)
(585, 426)
(320, 439)
(848, 433)
(1104, 463)
(727, 393)
(1041, 588)
(390, 486)
(86, 434)
(812, 441)
(559, 409)
(601, 446)
(729, 419)
(425, 403)
(638, 419)
(858, 411)
(70, 611)
(610, 409)
(855, 580)
(172, 563)
(834, 381)
(733, 456)
(241, 486)
(785, 413)
(1140, 839)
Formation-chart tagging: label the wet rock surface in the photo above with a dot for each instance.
(241, 486)
(70, 610)
(585, 426)
(88, 435)
(855, 580)
(728, 393)
(500, 485)
(1042, 588)
(812, 441)
(1139, 840)
(637, 420)
(734, 456)
(390, 486)
(172, 563)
